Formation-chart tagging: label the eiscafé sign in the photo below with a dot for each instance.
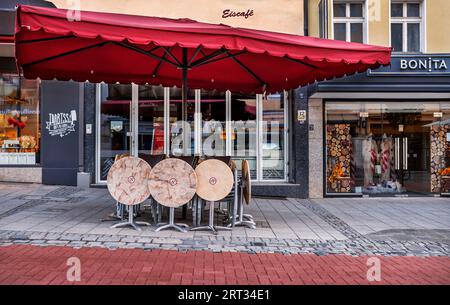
(243, 14)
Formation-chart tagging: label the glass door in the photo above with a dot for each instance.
(114, 128)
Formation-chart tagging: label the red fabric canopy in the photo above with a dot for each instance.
(125, 48)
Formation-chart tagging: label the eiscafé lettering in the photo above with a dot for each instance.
(230, 13)
(428, 64)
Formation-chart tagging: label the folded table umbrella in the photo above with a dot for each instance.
(174, 52)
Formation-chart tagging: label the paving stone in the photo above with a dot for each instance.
(167, 241)
(57, 242)
(113, 244)
(89, 237)
(94, 244)
(143, 240)
(71, 237)
(109, 239)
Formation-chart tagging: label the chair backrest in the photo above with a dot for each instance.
(225, 159)
(152, 160)
(120, 156)
(191, 160)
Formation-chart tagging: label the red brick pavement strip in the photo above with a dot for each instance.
(25, 264)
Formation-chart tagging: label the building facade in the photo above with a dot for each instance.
(383, 132)
(380, 132)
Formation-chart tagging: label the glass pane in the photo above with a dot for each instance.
(396, 9)
(413, 37)
(356, 32)
(273, 137)
(19, 120)
(339, 9)
(213, 108)
(114, 124)
(397, 37)
(339, 31)
(181, 120)
(413, 9)
(356, 10)
(243, 130)
(151, 120)
(440, 165)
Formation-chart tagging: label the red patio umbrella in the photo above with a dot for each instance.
(125, 48)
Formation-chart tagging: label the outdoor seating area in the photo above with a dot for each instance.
(190, 183)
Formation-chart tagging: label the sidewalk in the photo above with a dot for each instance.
(52, 215)
(296, 241)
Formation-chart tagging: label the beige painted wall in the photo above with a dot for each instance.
(438, 26)
(437, 23)
(272, 15)
(379, 22)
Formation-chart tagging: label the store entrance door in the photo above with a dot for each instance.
(411, 151)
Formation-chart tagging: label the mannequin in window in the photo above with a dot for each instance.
(386, 158)
(370, 156)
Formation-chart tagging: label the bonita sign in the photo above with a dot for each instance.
(423, 64)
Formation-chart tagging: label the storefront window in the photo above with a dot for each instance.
(210, 123)
(243, 131)
(114, 124)
(19, 121)
(151, 120)
(181, 123)
(213, 112)
(273, 114)
(386, 147)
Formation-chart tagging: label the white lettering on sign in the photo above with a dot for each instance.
(429, 64)
(61, 124)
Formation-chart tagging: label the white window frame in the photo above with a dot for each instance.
(134, 113)
(349, 20)
(405, 20)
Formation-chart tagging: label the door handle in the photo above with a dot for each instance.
(397, 153)
(405, 153)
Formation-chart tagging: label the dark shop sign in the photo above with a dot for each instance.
(415, 65)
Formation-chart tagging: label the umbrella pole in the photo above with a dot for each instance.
(184, 98)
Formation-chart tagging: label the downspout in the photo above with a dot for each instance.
(305, 17)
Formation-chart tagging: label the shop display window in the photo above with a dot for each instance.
(387, 147)
(19, 121)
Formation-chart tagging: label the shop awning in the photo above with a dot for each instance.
(125, 48)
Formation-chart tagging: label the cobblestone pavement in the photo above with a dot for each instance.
(67, 216)
(25, 264)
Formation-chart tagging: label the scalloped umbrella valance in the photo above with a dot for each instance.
(176, 52)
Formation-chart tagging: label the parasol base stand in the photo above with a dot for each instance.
(181, 227)
(131, 222)
(211, 226)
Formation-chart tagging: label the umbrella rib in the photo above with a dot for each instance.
(207, 57)
(301, 62)
(199, 48)
(148, 53)
(158, 66)
(167, 51)
(65, 54)
(247, 69)
(221, 58)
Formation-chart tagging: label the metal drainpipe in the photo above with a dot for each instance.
(305, 17)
